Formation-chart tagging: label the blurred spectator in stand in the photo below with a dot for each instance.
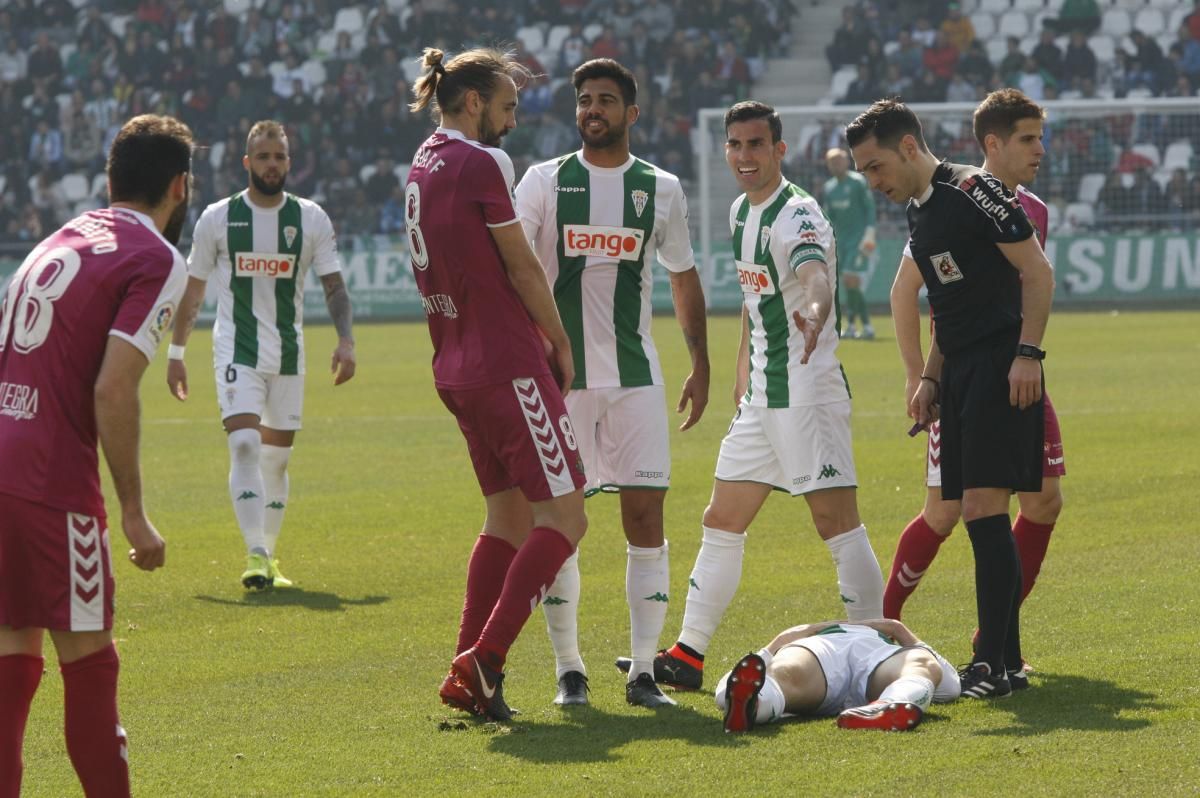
(849, 41)
(1148, 62)
(606, 45)
(1013, 59)
(360, 217)
(45, 67)
(1047, 55)
(1032, 80)
(733, 73)
(923, 33)
(961, 90)
(907, 57)
(975, 66)
(641, 50)
(341, 186)
(14, 63)
(1079, 62)
(391, 215)
(81, 138)
(1113, 203)
(46, 149)
(895, 84)
(574, 48)
(1081, 15)
(958, 28)
(863, 90)
(1177, 200)
(381, 182)
(929, 88)
(942, 58)
(1146, 200)
(658, 17)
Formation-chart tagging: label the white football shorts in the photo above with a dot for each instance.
(277, 399)
(622, 436)
(793, 449)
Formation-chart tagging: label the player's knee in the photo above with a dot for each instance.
(718, 518)
(1044, 507)
(941, 516)
(245, 446)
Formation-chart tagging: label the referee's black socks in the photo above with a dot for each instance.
(997, 590)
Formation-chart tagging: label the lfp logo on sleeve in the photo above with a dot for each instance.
(274, 266)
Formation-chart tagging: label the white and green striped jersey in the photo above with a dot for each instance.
(770, 241)
(596, 231)
(261, 257)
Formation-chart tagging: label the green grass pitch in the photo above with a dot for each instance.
(332, 689)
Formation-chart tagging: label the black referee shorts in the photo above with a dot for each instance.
(986, 442)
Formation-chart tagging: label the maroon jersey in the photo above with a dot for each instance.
(482, 334)
(1035, 209)
(107, 272)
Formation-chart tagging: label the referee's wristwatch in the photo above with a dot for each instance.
(1031, 352)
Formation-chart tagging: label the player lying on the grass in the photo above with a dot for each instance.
(871, 674)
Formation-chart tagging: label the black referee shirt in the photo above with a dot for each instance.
(974, 292)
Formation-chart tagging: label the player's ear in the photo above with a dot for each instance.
(780, 149)
(632, 113)
(246, 162)
(178, 190)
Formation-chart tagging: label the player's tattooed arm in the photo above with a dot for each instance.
(337, 300)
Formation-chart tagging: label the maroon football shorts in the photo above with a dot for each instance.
(519, 436)
(55, 568)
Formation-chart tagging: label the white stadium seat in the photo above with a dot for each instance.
(1031, 6)
(531, 37)
(1115, 22)
(1080, 214)
(326, 43)
(1162, 177)
(1053, 218)
(75, 187)
(1013, 23)
(996, 50)
(1178, 15)
(365, 173)
(276, 68)
(1104, 47)
(892, 47)
(349, 19)
(1149, 152)
(555, 38)
(841, 81)
(216, 153)
(984, 24)
(117, 24)
(397, 5)
(1150, 21)
(401, 171)
(99, 186)
(592, 31)
(1178, 155)
(1090, 187)
(314, 71)
(1169, 4)
(995, 6)
(412, 69)
(236, 8)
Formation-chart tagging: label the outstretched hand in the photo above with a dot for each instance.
(810, 329)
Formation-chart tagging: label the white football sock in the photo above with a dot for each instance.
(859, 578)
(647, 581)
(562, 617)
(274, 462)
(771, 702)
(913, 689)
(713, 581)
(246, 487)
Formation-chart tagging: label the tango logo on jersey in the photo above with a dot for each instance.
(754, 279)
(18, 401)
(619, 243)
(945, 268)
(640, 198)
(258, 264)
(289, 234)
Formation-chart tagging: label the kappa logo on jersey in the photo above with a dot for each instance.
(289, 234)
(620, 243)
(764, 238)
(260, 264)
(640, 198)
(754, 279)
(945, 268)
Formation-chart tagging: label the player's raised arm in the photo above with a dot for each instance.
(528, 278)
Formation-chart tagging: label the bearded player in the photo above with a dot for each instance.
(260, 244)
(79, 324)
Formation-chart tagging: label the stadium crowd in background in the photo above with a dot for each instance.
(334, 73)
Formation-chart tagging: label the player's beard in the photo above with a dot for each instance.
(488, 135)
(269, 189)
(174, 227)
(611, 135)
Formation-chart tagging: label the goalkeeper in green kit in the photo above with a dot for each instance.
(848, 203)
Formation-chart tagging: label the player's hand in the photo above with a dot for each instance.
(177, 379)
(695, 389)
(149, 549)
(562, 364)
(343, 364)
(911, 383)
(923, 408)
(810, 329)
(1024, 382)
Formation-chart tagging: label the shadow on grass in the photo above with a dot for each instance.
(1070, 701)
(297, 597)
(593, 735)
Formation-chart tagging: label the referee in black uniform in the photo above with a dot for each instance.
(990, 288)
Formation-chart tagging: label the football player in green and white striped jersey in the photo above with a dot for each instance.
(791, 431)
(260, 243)
(597, 219)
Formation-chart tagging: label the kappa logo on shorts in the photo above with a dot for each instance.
(945, 268)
